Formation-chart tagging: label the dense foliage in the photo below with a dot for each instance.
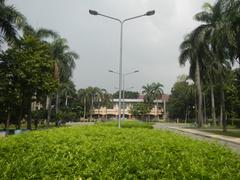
(139, 110)
(128, 95)
(127, 124)
(211, 49)
(31, 66)
(101, 152)
(182, 101)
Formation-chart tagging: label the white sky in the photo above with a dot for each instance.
(151, 44)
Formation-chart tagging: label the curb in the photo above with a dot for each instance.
(208, 135)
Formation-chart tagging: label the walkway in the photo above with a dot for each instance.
(231, 142)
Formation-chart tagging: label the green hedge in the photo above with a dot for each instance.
(100, 152)
(127, 124)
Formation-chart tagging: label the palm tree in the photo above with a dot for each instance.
(64, 62)
(215, 29)
(40, 33)
(11, 20)
(149, 97)
(94, 94)
(106, 100)
(67, 90)
(83, 96)
(148, 91)
(157, 92)
(191, 51)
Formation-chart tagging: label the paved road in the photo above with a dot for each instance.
(230, 142)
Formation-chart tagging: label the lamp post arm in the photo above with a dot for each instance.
(106, 16)
(135, 17)
(126, 74)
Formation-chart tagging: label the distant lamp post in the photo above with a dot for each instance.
(123, 89)
(149, 13)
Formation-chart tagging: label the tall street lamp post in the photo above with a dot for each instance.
(124, 75)
(123, 89)
(95, 13)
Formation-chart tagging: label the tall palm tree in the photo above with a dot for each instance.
(64, 62)
(215, 29)
(66, 90)
(95, 95)
(191, 51)
(11, 20)
(83, 96)
(157, 92)
(106, 99)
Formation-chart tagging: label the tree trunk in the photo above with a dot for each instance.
(57, 102)
(20, 115)
(186, 115)
(29, 117)
(224, 120)
(213, 104)
(49, 109)
(66, 101)
(199, 89)
(205, 111)
(91, 111)
(221, 116)
(98, 110)
(196, 107)
(164, 110)
(7, 122)
(84, 111)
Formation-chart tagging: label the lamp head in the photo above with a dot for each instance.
(150, 13)
(110, 71)
(92, 12)
(136, 71)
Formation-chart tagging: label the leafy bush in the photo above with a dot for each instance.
(39, 114)
(69, 116)
(100, 152)
(235, 122)
(128, 124)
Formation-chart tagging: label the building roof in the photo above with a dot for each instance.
(130, 100)
(165, 98)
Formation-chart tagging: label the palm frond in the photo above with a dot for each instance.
(203, 17)
(46, 33)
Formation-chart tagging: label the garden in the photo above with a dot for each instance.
(103, 151)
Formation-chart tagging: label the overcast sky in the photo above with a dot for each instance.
(150, 45)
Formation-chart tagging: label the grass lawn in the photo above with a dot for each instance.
(230, 132)
(103, 151)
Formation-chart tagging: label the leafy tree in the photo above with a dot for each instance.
(29, 65)
(42, 34)
(128, 95)
(182, 101)
(139, 110)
